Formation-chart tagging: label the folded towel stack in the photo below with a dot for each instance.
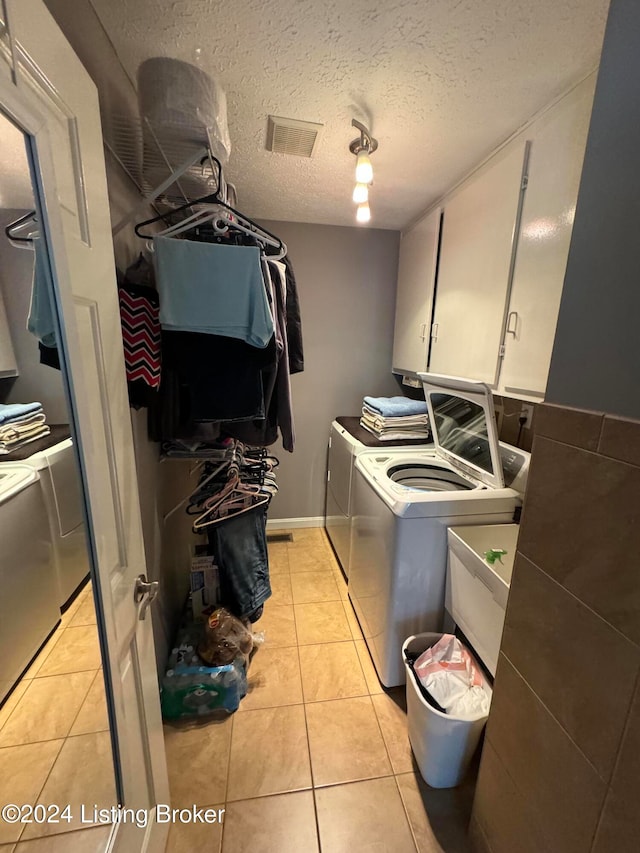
(395, 418)
(21, 423)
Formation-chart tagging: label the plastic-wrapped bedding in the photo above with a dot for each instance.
(179, 98)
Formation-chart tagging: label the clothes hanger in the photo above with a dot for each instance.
(22, 222)
(214, 198)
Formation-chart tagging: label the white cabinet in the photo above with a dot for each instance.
(474, 270)
(555, 166)
(8, 364)
(414, 300)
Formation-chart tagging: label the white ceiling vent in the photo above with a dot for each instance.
(290, 136)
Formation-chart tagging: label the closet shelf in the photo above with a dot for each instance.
(169, 164)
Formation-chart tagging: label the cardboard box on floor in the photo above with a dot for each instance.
(205, 586)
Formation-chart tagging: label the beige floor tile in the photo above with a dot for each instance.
(439, 817)
(71, 610)
(345, 741)
(93, 840)
(363, 816)
(352, 619)
(278, 559)
(274, 679)
(425, 840)
(85, 613)
(282, 824)
(325, 622)
(278, 625)
(12, 701)
(44, 653)
(341, 582)
(83, 774)
(196, 837)
(77, 650)
(308, 535)
(281, 594)
(331, 671)
(393, 723)
(93, 716)
(23, 772)
(269, 753)
(47, 709)
(308, 587)
(373, 682)
(7, 848)
(197, 760)
(315, 557)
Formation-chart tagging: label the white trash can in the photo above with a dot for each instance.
(442, 744)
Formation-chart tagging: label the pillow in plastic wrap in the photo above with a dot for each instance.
(179, 99)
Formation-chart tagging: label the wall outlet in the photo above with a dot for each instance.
(527, 411)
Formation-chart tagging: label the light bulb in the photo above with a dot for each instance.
(363, 213)
(364, 169)
(361, 193)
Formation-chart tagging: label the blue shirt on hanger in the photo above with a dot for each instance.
(212, 288)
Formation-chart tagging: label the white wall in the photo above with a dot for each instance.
(596, 356)
(347, 284)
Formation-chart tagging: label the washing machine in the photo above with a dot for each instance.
(28, 588)
(404, 500)
(347, 439)
(59, 478)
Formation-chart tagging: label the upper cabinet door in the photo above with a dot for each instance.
(414, 300)
(474, 272)
(555, 166)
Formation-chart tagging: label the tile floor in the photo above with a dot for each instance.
(54, 738)
(317, 756)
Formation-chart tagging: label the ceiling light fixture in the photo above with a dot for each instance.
(361, 193)
(363, 213)
(363, 147)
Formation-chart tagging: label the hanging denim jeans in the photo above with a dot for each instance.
(240, 547)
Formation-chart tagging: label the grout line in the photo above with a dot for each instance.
(44, 784)
(537, 698)
(406, 813)
(609, 793)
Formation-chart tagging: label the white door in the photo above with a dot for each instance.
(45, 90)
(555, 167)
(478, 234)
(414, 300)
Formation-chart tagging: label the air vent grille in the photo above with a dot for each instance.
(279, 537)
(290, 136)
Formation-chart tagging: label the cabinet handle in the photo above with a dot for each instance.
(423, 331)
(512, 331)
(434, 331)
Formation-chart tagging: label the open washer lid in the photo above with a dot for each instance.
(463, 425)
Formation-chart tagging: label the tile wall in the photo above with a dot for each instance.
(560, 768)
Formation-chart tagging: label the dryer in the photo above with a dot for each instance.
(61, 486)
(403, 502)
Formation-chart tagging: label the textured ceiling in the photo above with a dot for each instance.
(441, 83)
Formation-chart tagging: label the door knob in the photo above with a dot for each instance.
(144, 592)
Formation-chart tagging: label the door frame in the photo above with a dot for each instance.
(21, 105)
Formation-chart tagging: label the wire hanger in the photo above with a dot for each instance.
(29, 218)
(214, 198)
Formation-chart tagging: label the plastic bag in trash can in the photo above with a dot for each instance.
(451, 675)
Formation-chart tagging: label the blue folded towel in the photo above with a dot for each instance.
(10, 411)
(391, 407)
(40, 321)
(212, 288)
